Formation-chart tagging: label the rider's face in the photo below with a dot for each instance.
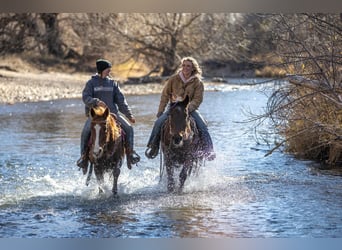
(105, 73)
(187, 68)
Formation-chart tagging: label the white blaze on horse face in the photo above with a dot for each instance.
(97, 138)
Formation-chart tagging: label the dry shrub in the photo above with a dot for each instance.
(314, 124)
(308, 111)
(270, 71)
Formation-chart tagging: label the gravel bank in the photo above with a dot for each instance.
(33, 87)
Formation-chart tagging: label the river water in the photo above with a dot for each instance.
(239, 194)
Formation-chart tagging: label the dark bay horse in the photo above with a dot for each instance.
(180, 144)
(106, 149)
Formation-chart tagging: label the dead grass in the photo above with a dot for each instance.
(314, 134)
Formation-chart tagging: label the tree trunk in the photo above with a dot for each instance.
(170, 65)
(53, 41)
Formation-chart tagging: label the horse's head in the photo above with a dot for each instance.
(180, 129)
(98, 116)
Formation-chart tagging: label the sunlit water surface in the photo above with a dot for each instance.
(240, 194)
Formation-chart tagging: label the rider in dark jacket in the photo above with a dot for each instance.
(102, 89)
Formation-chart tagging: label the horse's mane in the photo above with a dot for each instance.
(112, 125)
(191, 127)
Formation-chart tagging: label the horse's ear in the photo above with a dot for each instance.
(91, 112)
(106, 112)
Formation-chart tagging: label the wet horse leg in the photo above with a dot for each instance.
(170, 180)
(183, 175)
(116, 173)
(99, 178)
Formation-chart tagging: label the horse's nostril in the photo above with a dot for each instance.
(98, 153)
(177, 139)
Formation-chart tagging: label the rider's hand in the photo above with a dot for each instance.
(159, 114)
(132, 119)
(101, 103)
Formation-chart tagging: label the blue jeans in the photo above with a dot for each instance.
(125, 125)
(154, 139)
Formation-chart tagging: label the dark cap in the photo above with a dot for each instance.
(102, 64)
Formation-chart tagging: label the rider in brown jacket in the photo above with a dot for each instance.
(186, 82)
(193, 88)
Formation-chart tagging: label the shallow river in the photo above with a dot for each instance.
(240, 194)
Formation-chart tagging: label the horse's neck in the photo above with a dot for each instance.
(114, 129)
(192, 123)
(113, 136)
(165, 130)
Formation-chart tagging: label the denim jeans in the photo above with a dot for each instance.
(200, 122)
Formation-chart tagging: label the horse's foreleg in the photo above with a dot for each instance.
(90, 171)
(116, 173)
(182, 176)
(170, 180)
(99, 178)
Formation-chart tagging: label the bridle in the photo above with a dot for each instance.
(98, 148)
(187, 133)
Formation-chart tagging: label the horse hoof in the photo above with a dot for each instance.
(84, 170)
(129, 165)
(171, 188)
(101, 191)
(151, 152)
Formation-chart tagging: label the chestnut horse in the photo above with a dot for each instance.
(106, 146)
(180, 144)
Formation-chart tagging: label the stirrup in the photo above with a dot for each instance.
(82, 163)
(134, 157)
(151, 152)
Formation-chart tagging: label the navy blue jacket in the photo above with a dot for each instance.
(108, 91)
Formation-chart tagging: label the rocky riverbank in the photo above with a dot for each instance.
(36, 86)
(21, 81)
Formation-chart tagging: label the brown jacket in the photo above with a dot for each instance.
(175, 88)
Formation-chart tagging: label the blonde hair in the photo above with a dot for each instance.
(197, 71)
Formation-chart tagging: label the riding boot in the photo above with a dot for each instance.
(131, 157)
(153, 148)
(83, 161)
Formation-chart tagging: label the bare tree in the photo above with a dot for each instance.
(307, 111)
(16, 30)
(163, 39)
(157, 37)
(51, 37)
(31, 32)
(227, 36)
